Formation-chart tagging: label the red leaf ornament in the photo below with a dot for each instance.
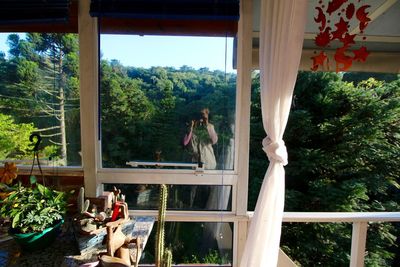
(350, 11)
(334, 5)
(348, 39)
(342, 59)
(333, 23)
(361, 54)
(341, 28)
(318, 60)
(362, 17)
(320, 18)
(323, 38)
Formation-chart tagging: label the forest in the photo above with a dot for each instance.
(343, 136)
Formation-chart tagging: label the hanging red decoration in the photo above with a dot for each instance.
(348, 39)
(341, 16)
(323, 38)
(361, 54)
(341, 28)
(343, 61)
(319, 60)
(321, 18)
(362, 17)
(334, 5)
(350, 9)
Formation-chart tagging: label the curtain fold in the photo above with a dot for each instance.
(282, 25)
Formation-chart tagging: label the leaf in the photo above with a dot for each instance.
(45, 210)
(41, 189)
(47, 192)
(394, 183)
(32, 179)
(16, 220)
(59, 197)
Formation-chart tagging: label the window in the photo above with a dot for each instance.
(39, 93)
(196, 242)
(152, 88)
(180, 197)
(167, 99)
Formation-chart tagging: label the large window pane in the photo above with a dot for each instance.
(180, 197)
(154, 88)
(39, 93)
(195, 242)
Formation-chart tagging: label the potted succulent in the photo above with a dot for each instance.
(36, 214)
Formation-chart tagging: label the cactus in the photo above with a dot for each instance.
(167, 258)
(83, 205)
(86, 206)
(81, 199)
(160, 243)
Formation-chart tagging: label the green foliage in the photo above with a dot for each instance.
(344, 144)
(35, 208)
(146, 110)
(14, 138)
(212, 257)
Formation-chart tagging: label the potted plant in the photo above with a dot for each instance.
(36, 214)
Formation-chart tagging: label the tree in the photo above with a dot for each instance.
(14, 138)
(124, 109)
(343, 146)
(44, 84)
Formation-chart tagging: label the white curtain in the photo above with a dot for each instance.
(282, 26)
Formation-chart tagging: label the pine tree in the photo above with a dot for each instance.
(42, 84)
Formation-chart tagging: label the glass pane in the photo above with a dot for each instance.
(180, 197)
(39, 93)
(168, 100)
(195, 242)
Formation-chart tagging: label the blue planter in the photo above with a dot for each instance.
(36, 241)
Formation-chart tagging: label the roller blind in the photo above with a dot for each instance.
(34, 11)
(227, 10)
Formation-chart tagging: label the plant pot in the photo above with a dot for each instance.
(37, 240)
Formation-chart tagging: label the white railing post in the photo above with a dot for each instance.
(358, 241)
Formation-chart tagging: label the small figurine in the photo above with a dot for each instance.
(119, 248)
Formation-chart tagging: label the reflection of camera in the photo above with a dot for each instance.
(199, 122)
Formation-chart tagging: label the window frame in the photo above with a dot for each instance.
(169, 176)
(95, 175)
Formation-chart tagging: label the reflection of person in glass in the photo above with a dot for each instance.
(201, 137)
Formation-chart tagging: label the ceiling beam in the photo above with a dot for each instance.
(384, 62)
(370, 38)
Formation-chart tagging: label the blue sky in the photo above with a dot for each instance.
(171, 51)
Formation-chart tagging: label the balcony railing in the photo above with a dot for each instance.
(359, 220)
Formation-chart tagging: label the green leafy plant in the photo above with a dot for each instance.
(34, 208)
